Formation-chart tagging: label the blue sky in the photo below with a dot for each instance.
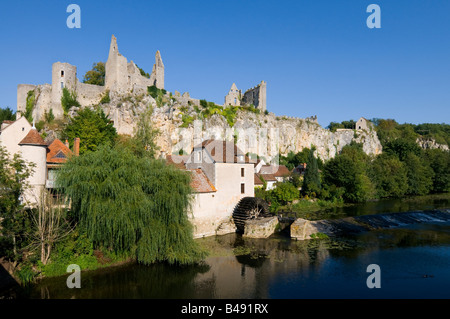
(317, 57)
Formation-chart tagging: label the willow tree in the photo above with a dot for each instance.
(132, 204)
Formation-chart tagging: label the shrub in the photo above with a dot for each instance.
(68, 100)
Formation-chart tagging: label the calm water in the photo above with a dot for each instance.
(414, 262)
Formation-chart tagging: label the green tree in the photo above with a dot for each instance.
(311, 181)
(7, 115)
(14, 221)
(131, 204)
(440, 163)
(389, 176)
(285, 192)
(96, 75)
(143, 143)
(349, 171)
(401, 147)
(92, 127)
(420, 175)
(68, 100)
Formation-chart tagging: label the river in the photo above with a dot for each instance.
(414, 263)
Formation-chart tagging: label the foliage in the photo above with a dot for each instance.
(30, 104)
(419, 174)
(284, 193)
(49, 116)
(155, 92)
(143, 73)
(344, 125)
(50, 225)
(132, 204)
(145, 135)
(68, 100)
(14, 221)
(187, 120)
(389, 176)
(292, 160)
(105, 98)
(96, 75)
(401, 147)
(92, 127)
(347, 175)
(311, 181)
(439, 161)
(7, 115)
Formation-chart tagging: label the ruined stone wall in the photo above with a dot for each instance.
(256, 96)
(22, 92)
(89, 94)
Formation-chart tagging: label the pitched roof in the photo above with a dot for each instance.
(258, 181)
(276, 170)
(33, 138)
(58, 152)
(268, 177)
(200, 182)
(282, 171)
(224, 151)
(177, 160)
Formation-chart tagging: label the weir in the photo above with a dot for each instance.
(303, 229)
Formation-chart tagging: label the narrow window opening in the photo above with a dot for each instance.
(242, 188)
(242, 172)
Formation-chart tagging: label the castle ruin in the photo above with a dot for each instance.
(255, 96)
(121, 76)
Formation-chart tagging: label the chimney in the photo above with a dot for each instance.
(67, 144)
(76, 146)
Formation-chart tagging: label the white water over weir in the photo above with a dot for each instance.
(303, 229)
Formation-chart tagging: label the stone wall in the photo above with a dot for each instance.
(256, 96)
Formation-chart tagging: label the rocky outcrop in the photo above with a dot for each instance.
(264, 134)
(429, 143)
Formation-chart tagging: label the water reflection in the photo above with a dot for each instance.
(414, 264)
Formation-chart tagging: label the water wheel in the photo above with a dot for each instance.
(249, 208)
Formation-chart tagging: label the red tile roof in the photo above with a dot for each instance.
(177, 160)
(58, 152)
(33, 138)
(268, 177)
(200, 182)
(258, 181)
(278, 171)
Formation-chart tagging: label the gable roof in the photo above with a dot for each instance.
(177, 160)
(200, 182)
(33, 138)
(57, 152)
(223, 151)
(267, 177)
(257, 180)
(277, 171)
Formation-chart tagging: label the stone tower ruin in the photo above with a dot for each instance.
(121, 77)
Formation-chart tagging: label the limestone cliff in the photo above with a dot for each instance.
(262, 134)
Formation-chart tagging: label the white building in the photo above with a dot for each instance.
(19, 137)
(221, 175)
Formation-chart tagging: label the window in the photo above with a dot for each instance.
(242, 188)
(62, 73)
(62, 85)
(242, 172)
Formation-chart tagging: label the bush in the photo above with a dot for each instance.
(105, 98)
(68, 100)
